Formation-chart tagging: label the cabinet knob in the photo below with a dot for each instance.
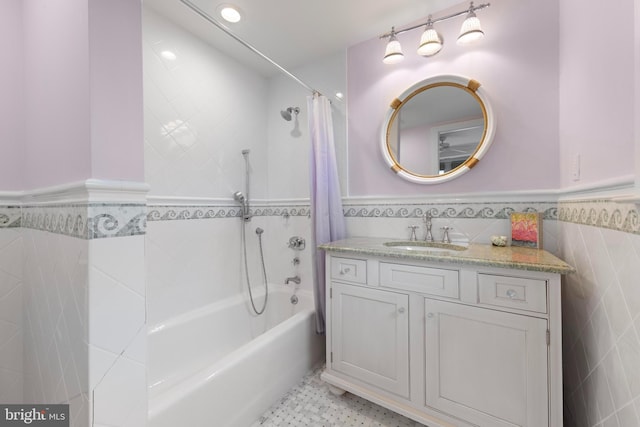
(430, 315)
(345, 270)
(511, 293)
(401, 310)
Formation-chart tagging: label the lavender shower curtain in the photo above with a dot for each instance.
(327, 217)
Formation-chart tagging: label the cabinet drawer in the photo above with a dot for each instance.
(513, 292)
(432, 281)
(349, 270)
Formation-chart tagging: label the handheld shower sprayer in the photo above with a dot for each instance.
(239, 197)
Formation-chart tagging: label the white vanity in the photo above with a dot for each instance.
(447, 338)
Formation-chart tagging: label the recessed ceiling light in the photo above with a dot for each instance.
(229, 13)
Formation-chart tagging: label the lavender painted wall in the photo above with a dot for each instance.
(117, 137)
(11, 101)
(82, 91)
(57, 112)
(636, 50)
(517, 64)
(596, 91)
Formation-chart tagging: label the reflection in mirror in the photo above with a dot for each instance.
(458, 143)
(437, 129)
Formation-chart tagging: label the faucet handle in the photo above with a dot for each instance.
(445, 234)
(413, 237)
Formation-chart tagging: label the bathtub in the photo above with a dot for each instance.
(223, 366)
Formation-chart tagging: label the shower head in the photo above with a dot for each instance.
(286, 114)
(239, 197)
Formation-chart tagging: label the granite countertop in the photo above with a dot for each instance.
(476, 254)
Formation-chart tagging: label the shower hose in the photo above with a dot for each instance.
(259, 232)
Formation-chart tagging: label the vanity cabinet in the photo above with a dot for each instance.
(486, 366)
(365, 322)
(444, 342)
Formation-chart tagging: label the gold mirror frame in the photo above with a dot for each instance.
(470, 86)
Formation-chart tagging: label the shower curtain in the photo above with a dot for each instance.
(327, 217)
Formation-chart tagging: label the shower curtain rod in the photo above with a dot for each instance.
(246, 44)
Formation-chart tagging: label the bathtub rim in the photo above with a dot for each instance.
(306, 298)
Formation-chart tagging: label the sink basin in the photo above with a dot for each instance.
(425, 246)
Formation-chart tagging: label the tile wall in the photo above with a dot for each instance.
(56, 322)
(601, 313)
(117, 331)
(72, 303)
(11, 290)
(201, 110)
(196, 259)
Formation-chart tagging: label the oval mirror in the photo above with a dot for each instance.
(438, 129)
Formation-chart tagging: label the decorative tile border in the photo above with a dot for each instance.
(187, 212)
(89, 209)
(478, 210)
(10, 216)
(101, 220)
(87, 220)
(601, 213)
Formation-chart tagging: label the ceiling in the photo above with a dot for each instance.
(297, 32)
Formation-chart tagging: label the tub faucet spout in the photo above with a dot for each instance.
(294, 279)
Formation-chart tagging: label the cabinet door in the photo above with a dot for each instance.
(370, 336)
(487, 367)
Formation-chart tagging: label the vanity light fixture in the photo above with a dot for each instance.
(393, 53)
(431, 41)
(471, 30)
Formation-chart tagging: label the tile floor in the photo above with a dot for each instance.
(311, 404)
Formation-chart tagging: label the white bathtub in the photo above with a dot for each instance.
(223, 366)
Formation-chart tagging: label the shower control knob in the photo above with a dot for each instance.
(296, 243)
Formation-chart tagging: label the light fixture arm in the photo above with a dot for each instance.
(430, 20)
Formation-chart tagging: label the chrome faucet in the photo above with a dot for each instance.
(445, 234)
(294, 279)
(428, 237)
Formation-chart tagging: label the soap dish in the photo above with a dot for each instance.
(499, 240)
